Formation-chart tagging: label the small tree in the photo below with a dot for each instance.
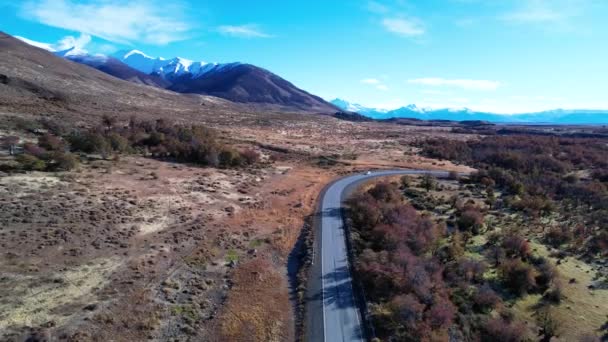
(471, 220)
(548, 324)
(428, 182)
(406, 181)
(518, 276)
(108, 121)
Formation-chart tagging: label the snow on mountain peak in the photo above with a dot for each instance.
(166, 68)
(135, 52)
(44, 46)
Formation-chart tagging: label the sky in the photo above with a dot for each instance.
(504, 56)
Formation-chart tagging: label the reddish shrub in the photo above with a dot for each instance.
(250, 156)
(518, 276)
(471, 220)
(51, 142)
(500, 330)
(485, 299)
(516, 246)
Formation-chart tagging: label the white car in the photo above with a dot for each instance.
(368, 173)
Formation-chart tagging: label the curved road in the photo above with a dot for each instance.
(332, 311)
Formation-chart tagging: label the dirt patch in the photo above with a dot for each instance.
(34, 300)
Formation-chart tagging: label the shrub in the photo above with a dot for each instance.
(29, 162)
(501, 330)
(250, 156)
(471, 220)
(89, 142)
(51, 142)
(428, 182)
(546, 273)
(64, 161)
(555, 292)
(557, 236)
(385, 192)
(119, 143)
(485, 299)
(548, 324)
(36, 151)
(406, 181)
(516, 245)
(229, 158)
(517, 276)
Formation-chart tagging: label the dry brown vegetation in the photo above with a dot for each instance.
(506, 281)
(131, 247)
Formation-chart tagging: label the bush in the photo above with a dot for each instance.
(119, 143)
(555, 293)
(250, 156)
(471, 220)
(406, 181)
(485, 299)
(517, 276)
(229, 158)
(501, 330)
(51, 143)
(557, 236)
(515, 246)
(89, 142)
(385, 192)
(64, 161)
(29, 162)
(547, 273)
(428, 182)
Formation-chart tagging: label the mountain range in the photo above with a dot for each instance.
(249, 84)
(237, 82)
(558, 116)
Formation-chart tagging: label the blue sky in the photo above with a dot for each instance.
(498, 55)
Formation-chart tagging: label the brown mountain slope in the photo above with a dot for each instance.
(248, 83)
(120, 70)
(35, 81)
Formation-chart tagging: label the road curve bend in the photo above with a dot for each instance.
(332, 313)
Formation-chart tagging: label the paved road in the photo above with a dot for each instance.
(332, 312)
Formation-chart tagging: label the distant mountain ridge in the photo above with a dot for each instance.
(237, 82)
(558, 116)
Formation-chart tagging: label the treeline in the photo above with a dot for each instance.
(420, 283)
(541, 175)
(159, 139)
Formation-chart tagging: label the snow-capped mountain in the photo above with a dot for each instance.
(168, 68)
(69, 52)
(238, 82)
(357, 108)
(558, 116)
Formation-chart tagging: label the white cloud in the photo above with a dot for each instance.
(549, 11)
(370, 81)
(122, 22)
(73, 42)
(404, 27)
(65, 43)
(459, 83)
(243, 31)
(376, 83)
(376, 7)
(534, 11)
